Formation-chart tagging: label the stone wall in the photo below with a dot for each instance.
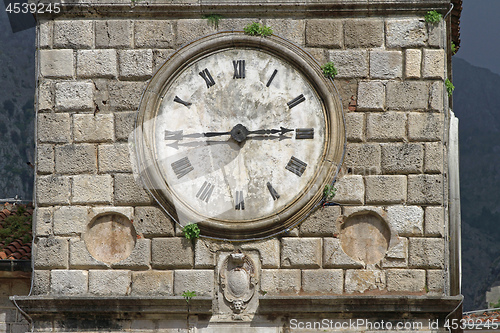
(11, 320)
(391, 71)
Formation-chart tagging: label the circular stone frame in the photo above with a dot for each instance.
(296, 210)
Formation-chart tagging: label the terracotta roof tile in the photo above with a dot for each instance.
(17, 249)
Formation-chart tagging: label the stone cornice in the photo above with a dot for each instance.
(248, 8)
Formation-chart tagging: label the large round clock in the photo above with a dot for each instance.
(239, 134)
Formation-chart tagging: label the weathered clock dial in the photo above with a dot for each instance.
(238, 135)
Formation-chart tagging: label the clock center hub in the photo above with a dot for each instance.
(239, 133)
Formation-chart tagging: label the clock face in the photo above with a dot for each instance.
(237, 138)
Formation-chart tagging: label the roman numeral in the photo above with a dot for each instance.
(273, 192)
(272, 78)
(205, 191)
(239, 69)
(180, 101)
(296, 101)
(182, 167)
(304, 133)
(205, 74)
(296, 166)
(239, 202)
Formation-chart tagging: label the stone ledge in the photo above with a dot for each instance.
(257, 8)
(280, 305)
(43, 306)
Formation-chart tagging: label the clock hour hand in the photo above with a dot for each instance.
(212, 134)
(282, 131)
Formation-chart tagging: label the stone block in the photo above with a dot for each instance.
(96, 63)
(234, 23)
(191, 29)
(425, 126)
(319, 54)
(385, 189)
(407, 280)
(205, 254)
(73, 159)
(269, 251)
(433, 64)
(113, 34)
(386, 126)
(43, 221)
(80, 257)
(109, 282)
(53, 190)
(152, 283)
(350, 63)
(280, 281)
(46, 95)
(407, 95)
(323, 281)
(335, 257)
(397, 254)
(41, 282)
(70, 220)
(406, 220)
(154, 33)
(172, 252)
(54, 127)
(135, 64)
(301, 252)
(436, 101)
(73, 34)
(68, 282)
(354, 126)
(425, 189)
(436, 280)
(56, 63)
(51, 253)
(363, 158)
(371, 96)
(350, 190)
(74, 96)
(361, 280)
(129, 192)
(200, 281)
(152, 222)
(402, 158)
(322, 222)
(386, 64)
(125, 95)
(433, 157)
(413, 60)
(93, 128)
(114, 158)
(426, 252)
(124, 125)
(140, 257)
(437, 34)
(159, 58)
(434, 221)
(364, 33)
(292, 30)
(45, 158)
(406, 33)
(45, 34)
(89, 189)
(324, 33)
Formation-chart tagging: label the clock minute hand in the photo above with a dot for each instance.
(271, 131)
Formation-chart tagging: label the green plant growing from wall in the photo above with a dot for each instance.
(433, 17)
(188, 295)
(453, 48)
(258, 29)
(191, 231)
(329, 192)
(329, 69)
(213, 19)
(449, 87)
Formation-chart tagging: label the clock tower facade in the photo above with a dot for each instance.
(321, 201)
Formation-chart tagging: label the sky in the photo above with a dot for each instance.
(480, 34)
